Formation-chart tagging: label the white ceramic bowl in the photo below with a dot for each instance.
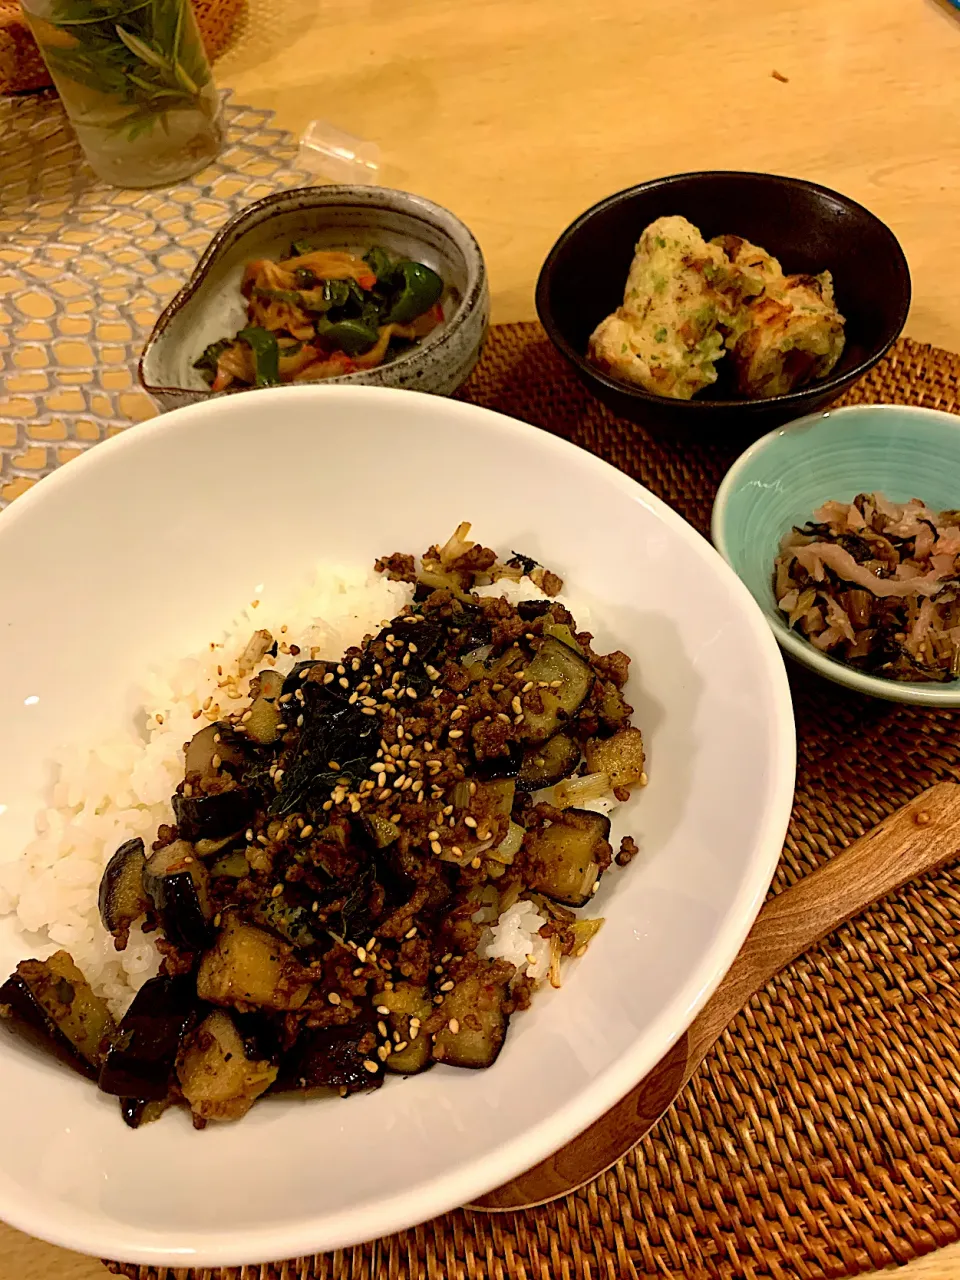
(144, 547)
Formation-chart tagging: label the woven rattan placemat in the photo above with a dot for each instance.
(821, 1137)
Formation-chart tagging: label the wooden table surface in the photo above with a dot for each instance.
(519, 114)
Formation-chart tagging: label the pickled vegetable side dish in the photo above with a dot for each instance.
(321, 313)
(374, 860)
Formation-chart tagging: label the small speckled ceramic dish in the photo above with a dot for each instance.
(780, 481)
(210, 305)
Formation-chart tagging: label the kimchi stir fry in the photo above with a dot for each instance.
(322, 313)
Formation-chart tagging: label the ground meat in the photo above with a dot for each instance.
(615, 666)
(628, 851)
(398, 567)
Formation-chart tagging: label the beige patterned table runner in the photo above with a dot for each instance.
(86, 268)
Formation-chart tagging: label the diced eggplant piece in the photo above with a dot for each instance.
(218, 1078)
(265, 712)
(331, 1058)
(408, 1008)
(50, 1003)
(530, 609)
(215, 741)
(213, 815)
(560, 631)
(562, 680)
(122, 898)
(545, 765)
(136, 1112)
(176, 882)
(620, 757)
(141, 1060)
(614, 709)
(290, 919)
(233, 865)
(475, 1008)
(506, 765)
(381, 831)
(565, 857)
(250, 968)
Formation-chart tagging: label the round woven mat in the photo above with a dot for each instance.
(821, 1137)
(22, 68)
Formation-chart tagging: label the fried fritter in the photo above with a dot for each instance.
(789, 336)
(666, 335)
(687, 302)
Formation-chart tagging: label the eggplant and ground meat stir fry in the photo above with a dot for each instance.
(322, 313)
(876, 584)
(340, 847)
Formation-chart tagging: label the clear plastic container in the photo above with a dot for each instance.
(136, 84)
(338, 155)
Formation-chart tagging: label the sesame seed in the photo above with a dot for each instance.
(216, 762)
(333, 997)
(644, 779)
(454, 1025)
(384, 794)
(368, 711)
(455, 733)
(370, 1066)
(447, 810)
(332, 764)
(327, 806)
(341, 670)
(580, 951)
(438, 999)
(411, 933)
(362, 955)
(276, 891)
(457, 851)
(555, 684)
(327, 679)
(399, 1046)
(245, 717)
(382, 1052)
(414, 1031)
(381, 778)
(475, 863)
(249, 834)
(470, 822)
(355, 665)
(436, 847)
(382, 1028)
(596, 886)
(343, 682)
(307, 832)
(527, 687)
(501, 715)
(382, 1008)
(446, 986)
(354, 697)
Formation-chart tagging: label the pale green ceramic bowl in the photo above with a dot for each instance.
(781, 480)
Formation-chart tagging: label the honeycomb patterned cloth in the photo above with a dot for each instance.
(86, 268)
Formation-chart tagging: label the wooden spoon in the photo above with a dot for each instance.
(912, 842)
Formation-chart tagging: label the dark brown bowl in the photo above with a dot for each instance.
(807, 227)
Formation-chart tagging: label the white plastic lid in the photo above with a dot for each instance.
(337, 155)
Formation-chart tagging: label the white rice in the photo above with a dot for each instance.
(120, 787)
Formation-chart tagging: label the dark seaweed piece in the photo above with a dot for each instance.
(354, 918)
(526, 564)
(859, 548)
(341, 733)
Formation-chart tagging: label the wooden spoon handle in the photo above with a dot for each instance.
(913, 841)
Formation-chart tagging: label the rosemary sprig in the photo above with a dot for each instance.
(144, 53)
